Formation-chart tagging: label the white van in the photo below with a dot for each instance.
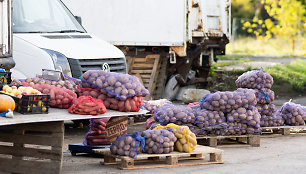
(47, 36)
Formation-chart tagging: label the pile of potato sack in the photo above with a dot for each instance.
(243, 111)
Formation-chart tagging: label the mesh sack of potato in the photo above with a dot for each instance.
(271, 121)
(129, 105)
(86, 105)
(213, 122)
(227, 101)
(170, 113)
(59, 97)
(186, 140)
(196, 130)
(249, 116)
(96, 134)
(264, 96)
(151, 105)
(238, 128)
(293, 114)
(128, 145)
(255, 79)
(67, 83)
(121, 86)
(266, 109)
(158, 141)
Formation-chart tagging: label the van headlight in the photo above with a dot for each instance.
(60, 62)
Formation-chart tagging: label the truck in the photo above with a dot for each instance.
(46, 35)
(187, 34)
(6, 59)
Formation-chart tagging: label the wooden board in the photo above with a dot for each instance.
(230, 141)
(60, 115)
(32, 148)
(146, 69)
(163, 160)
(283, 130)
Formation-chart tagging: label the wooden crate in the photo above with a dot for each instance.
(230, 141)
(32, 148)
(163, 160)
(147, 70)
(283, 130)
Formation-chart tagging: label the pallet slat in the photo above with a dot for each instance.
(283, 130)
(227, 141)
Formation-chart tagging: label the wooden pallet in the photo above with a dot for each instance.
(146, 69)
(283, 130)
(32, 148)
(163, 160)
(230, 141)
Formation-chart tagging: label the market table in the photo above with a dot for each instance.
(33, 143)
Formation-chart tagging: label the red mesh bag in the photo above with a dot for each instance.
(59, 97)
(129, 105)
(97, 135)
(86, 105)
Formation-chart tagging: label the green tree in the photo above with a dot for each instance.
(290, 17)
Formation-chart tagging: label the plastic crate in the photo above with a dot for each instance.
(5, 77)
(32, 104)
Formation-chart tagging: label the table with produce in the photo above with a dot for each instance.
(38, 104)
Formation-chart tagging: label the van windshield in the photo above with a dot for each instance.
(43, 16)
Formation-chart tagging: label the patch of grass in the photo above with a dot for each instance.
(271, 47)
(293, 73)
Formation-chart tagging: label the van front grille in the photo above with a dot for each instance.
(80, 66)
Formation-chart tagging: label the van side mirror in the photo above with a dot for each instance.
(79, 19)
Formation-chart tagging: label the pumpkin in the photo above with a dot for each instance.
(6, 102)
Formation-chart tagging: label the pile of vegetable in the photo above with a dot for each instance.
(128, 145)
(129, 105)
(256, 79)
(67, 83)
(266, 109)
(238, 128)
(86, 105)
(59, 97)
(154, 104)
(96, 134)
(158, 141)
(209, 122)
(293, 114)
(246, 116)
(120, 86)
(227, 101)
(186, 140)
(271, 121)
(170, 113)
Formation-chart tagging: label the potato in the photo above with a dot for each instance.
(179, 146)
(293, 114)
(187, 148)
(161, 139)
(126, 147)
(255, 79)
(121, 144)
